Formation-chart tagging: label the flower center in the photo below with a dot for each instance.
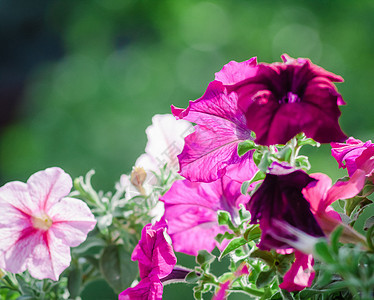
(43, 222)
(289, 98)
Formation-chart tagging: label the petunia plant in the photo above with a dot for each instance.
(223, 181)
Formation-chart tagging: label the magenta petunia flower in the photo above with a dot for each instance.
(280, 100)
(346, 153)
(191, 210)
(301, 273)
(38, 224)
(156, 261)
(365, 161)
(221, 126)
(281, 209)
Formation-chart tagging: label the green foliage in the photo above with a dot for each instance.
(117, 268)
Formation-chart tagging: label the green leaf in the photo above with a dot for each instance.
(232, 245)
(244, 187)
(367, 212)
(323, 252)
(257, 177)
(286, 295)
(227, 235)
(265, 162)
(90, 246)
(204, 257)
(264, 278)
(252, 233)
(24, 287)
(303, 162)
(334, 238)
(257, 157)
(369, 223)
(246, 146)
(224, 218)
(74, 281)
(265, 256)
(285, 154)
(117, 268)
(308, 141)
(192, 277)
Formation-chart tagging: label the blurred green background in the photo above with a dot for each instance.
(80, 80)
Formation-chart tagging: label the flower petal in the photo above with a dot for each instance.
(220, 127)
(14, 197)
(49, 186)
(154, 254)
(72, 220)
(144, 290)
(346, 189)
(301, 273)
(15, 258)
(234, 72)
(316, 191)
(50, 257)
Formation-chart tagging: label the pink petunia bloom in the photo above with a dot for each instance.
(191, 210)
(38, 224)
(280, 100)
(156, 261)
(301, 273)
(320, 194)
(221, 126)
(347, 153)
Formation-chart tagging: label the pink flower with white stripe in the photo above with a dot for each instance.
(39, 224)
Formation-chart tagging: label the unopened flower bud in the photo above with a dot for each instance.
(137, 178)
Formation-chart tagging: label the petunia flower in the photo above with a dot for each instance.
(280, 100)
(347, 153)
(320, 194)
(165, 141)
(156, 261)
(365, 162)
(301, 273)
(281, 209)
(39, 223)
(191, 210)
(221, 126)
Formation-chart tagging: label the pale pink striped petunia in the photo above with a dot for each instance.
(38, 224)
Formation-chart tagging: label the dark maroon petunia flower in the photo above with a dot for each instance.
(281, 209)
(281, 100)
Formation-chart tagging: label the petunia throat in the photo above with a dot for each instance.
(290, 97)
(43, 222)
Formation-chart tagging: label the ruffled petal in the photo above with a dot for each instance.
(154, 254)
(15, 199)
(346, 189)
(234, 72)
(48, 187)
